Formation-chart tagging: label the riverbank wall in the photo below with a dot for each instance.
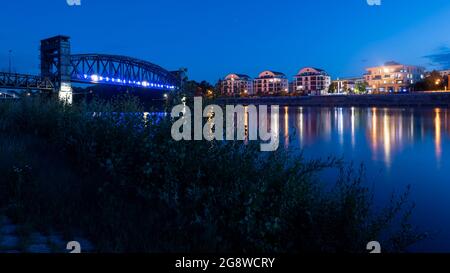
(435, 99)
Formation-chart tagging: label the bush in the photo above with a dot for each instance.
(118, 176)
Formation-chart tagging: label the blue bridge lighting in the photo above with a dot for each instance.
(121, 70)
(100, 79)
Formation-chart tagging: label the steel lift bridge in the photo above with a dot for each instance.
(59, 69)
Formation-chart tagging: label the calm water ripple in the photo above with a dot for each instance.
(399, 147)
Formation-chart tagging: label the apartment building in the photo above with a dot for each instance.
(271, 83)
(347, 85)
(393, 77)
(311, 81)
(236, 85)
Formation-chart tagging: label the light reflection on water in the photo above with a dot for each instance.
(399, 147)
(437, 137)
(386, 132)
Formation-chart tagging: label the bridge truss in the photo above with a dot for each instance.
(121, 70)
(28, 82)
(59, 68)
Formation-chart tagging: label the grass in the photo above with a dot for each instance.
(121, 180)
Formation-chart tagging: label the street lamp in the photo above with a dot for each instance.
(437, 82)
(10, 61)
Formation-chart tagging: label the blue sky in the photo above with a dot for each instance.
(213, 38)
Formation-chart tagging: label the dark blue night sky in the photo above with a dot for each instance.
(212, 37)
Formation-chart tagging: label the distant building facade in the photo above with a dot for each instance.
(311, 81)
(347, 85)
(448, 82)
(393, 77)
(236, 85)
(270, 83)
(444, 73)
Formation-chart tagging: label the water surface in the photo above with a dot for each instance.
(399, 147)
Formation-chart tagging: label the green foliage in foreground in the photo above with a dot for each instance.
(124, 182)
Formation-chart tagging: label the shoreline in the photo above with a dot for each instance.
(432, 99)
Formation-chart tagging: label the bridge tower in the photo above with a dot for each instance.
(55, 62)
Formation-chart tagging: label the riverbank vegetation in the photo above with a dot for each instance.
(122, 181)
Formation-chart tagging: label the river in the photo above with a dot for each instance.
(398, 146)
